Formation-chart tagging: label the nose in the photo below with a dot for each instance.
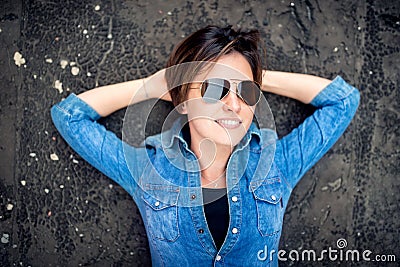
(232, 102)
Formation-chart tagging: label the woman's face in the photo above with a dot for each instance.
(224, 122)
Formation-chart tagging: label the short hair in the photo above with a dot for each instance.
(209, 44)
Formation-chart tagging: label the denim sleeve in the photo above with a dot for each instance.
(76, 122)
(299, 150)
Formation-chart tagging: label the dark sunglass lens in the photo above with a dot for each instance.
(213, 90)
(250, 92)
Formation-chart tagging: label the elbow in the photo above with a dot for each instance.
(354, 101)
(58, 118)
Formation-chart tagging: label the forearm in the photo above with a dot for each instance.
(110, 98)
(302, 87)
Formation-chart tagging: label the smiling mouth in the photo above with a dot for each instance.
(229, 123)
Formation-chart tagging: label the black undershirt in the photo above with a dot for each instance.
(216, 209)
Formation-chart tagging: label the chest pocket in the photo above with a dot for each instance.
(161, 211)
(268, 196)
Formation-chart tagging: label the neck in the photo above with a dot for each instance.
(213, 159)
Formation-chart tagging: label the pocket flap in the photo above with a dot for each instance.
(269, 190)
(159, 197)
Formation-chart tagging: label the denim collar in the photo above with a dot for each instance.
(258, 144)
(257, 138)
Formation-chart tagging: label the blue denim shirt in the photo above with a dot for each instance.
(163, 178)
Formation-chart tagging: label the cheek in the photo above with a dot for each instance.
(196, 108)
(247, 113)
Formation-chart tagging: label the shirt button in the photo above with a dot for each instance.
(201, 231)
(193, 196)
(218, 258)
(234, 230)
(157, 204)
(234, 199)
(273, 197)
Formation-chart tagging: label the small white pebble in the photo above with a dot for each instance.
(68, 178)
(85, 31)
(18, 59)
(32, 155)
(335, 49)
(97, 8)
(169, 13)
(72, 63)
(5, 238)
(142, 60)
(88, 74)
(63, 63)
(291, 4)
(87, 36)
(75, 70)
(46, 190)
(110, 186)
(324, 188)
(359, 28)
(10, 206)
(1, 30)
(80, 235)
(58, 86)
(23, 182)
(370, 72)
(34, 76)
(49, 60)
(109, 36)
(61, 186)
(54, 157)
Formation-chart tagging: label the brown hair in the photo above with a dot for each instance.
(209, 44)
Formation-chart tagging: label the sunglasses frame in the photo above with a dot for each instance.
(236, 82)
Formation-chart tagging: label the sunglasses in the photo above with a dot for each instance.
(215, 89)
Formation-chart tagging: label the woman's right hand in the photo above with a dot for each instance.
(156, 86)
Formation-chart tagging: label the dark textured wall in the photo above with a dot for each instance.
(65, 213)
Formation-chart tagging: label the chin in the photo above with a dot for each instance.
(228, 138)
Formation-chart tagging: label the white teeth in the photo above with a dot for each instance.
(229, 122)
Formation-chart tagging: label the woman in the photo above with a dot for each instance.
(212, 189)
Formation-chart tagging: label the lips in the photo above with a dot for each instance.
(229, 123)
